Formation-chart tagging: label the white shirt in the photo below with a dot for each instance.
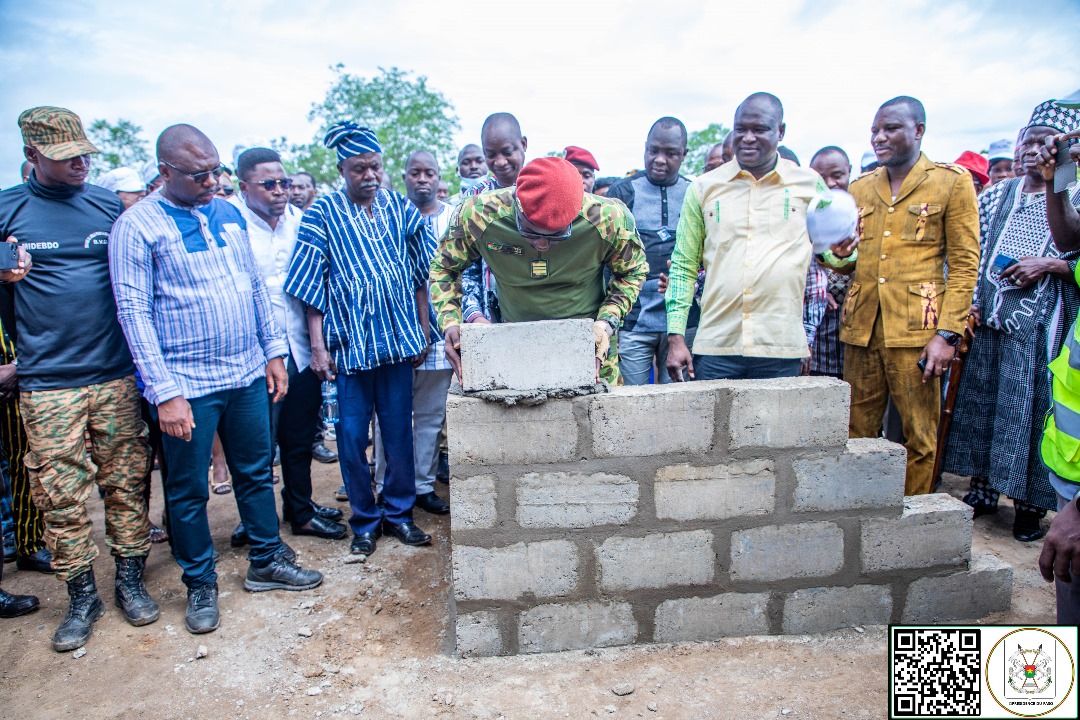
(273, 249)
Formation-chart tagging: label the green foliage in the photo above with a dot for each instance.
(404, 112)
(698, 144)
(120, 146)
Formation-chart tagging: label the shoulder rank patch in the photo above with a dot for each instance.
(959, 169)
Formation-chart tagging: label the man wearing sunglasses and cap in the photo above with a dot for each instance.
(547, 243)
(76, 375)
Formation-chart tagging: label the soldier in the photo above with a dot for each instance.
(76, 376)
(547, 243)
(914, 216)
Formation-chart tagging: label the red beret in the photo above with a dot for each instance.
(550, 192)
(976, 164)
(581, 156)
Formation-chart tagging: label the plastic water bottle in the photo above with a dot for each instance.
(329, 403)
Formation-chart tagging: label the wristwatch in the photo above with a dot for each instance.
(951, 338)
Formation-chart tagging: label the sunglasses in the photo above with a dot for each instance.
(269, 185)
(198, 177)
(533, 235)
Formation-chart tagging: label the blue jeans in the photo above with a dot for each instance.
(638, 351)
(738, 367)
(386, 390)
(241, 418)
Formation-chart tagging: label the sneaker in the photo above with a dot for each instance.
(281, 574)
(323, 454)
(202, 610)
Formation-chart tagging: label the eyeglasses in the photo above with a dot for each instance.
(533, 235)
(269, 185)
(198, 177)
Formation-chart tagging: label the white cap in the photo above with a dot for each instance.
(1071, 102)
(1000, 150)
(122, 179)
(150, 172)
(831, 218)
(867, 157)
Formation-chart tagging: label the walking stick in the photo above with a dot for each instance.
(956, 369)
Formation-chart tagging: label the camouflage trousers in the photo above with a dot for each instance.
(63, 470)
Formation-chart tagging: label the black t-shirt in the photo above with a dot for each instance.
(67, 332)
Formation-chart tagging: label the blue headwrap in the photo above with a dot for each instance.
(350, 139)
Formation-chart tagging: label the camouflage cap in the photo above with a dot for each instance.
(57, 133)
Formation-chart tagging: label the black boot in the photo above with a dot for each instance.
(131, 596)
(84, 609)
(1027, 525)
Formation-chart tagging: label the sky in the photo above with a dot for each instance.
(574, 73)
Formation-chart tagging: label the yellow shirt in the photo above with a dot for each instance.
(750, 236)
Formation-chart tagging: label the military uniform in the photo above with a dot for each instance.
(565, 281)
(900, 297)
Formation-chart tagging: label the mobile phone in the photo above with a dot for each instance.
(9, 256)
(922, 365)
(1065, 174)
(1001, 264)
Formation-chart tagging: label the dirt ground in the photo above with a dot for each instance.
(371, 642)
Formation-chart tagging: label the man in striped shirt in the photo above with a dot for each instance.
(361, 267)
(200, 324)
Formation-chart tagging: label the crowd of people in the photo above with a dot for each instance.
(172, 316)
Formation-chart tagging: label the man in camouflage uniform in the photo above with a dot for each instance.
(548, 244)
(76, 375)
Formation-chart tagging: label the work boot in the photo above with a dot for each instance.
(84, 608)
(131, 596)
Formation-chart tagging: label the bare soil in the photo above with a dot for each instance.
(378, 649)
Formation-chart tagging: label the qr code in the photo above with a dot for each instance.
(936, 672)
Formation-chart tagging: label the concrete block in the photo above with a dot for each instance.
(814, 610)
(934, 530)
(473, 501)
(553, 628)
(653, 420)
(493, 434)
(740, 487)
(789, 412)
(544, 355)
(711, 618)
(778, 552)
(656, 561)
(478, 634)
(868, 474)
(575, 500)
(984, 588)
(545, 569)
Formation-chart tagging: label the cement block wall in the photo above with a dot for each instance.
(694, 511)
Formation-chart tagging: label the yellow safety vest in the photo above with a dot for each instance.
(1061, 433)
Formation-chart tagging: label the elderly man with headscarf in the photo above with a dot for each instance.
(1026, 300)
(361, 267)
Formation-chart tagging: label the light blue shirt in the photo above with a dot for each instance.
(191, 299)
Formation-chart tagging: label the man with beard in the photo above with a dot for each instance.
(75, 373)
(655, 197)
(915, 216)
(273, 224)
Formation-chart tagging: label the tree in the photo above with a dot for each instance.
(698, 144)
(405, 114)
(120, 146)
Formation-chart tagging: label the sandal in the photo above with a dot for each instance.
(220, 488)
(157, 535)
